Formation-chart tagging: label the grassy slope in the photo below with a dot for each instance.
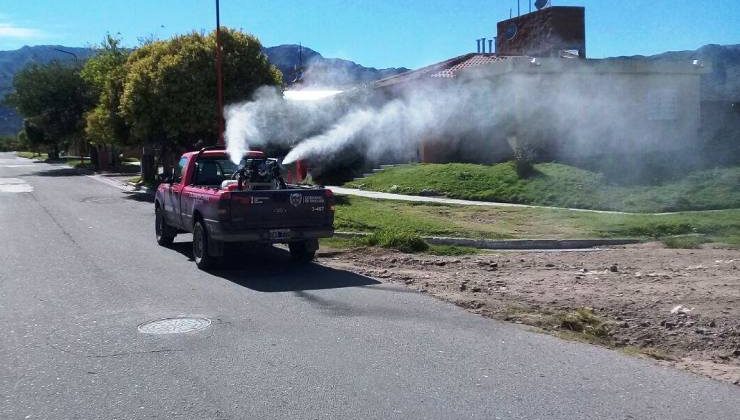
(367, 215)
(561, 186)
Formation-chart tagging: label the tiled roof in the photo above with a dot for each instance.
(474, 61)
(443, 70)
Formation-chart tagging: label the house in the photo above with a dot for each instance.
(539, 89)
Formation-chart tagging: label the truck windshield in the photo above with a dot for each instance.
(213, 171)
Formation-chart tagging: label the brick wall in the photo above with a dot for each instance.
(543, 33)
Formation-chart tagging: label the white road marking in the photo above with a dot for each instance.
(14, 163)
(14, 185)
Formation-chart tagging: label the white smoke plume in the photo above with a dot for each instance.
(577, 112)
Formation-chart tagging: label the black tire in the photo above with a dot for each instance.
(165, 233)
(202, 258)
(301, 252)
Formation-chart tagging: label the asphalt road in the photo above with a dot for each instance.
(80, 270)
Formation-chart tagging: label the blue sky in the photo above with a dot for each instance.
(380, 33)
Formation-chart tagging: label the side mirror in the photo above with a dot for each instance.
(167, 178)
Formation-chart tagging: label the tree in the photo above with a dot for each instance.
(104, 73)
(53, 98)
(169, 91)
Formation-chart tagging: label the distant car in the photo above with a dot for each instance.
(221, 202)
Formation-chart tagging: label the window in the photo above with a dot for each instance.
(213, 171)
(179, 168)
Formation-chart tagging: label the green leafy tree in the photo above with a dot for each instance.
(169, 91)
(105, 73)
(53, 98)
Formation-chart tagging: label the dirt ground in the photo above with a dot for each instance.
(679, 307)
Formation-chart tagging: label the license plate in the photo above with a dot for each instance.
(279, 233)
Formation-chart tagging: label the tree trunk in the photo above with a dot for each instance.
(115, 159)
(104, 158)
(54, 153)
(148, 170)
(94, 157)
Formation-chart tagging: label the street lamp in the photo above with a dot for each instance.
(82, 154)
(219, 80)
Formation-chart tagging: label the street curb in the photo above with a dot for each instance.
(512, 243)
(142, 189)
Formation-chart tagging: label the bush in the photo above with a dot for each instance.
(10, 144)
(525, 156)
(657, 230)
(685, 242)
(401, 241)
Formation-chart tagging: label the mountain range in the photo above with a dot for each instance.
(300, 65)
(722, 83)
(303, 66)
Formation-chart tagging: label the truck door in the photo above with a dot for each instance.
(204, 173)
(173, 197)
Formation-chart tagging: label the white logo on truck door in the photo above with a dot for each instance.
(296, 199)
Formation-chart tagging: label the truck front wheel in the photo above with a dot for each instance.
(303, 251)
(165, 233)
(202, 258)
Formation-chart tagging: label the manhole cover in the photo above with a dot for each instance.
(174, 325)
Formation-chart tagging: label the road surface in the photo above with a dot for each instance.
(80, 272)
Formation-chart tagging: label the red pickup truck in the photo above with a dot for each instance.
(221, 202)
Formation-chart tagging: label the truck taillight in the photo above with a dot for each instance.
(222, 209)
(329, 195)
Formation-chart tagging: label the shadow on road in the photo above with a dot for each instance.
(60, 172)
(270, 269)
(140, 196)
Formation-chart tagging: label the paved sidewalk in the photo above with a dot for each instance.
(455, 201)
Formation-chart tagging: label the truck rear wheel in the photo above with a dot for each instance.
(303, 251)
(165, 233)
(202, 258)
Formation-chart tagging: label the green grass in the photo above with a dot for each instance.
(409, 242)
(336, 243)
(79, 164)
(358, 214)
(559, 185)
(32, 155)
(452, 250)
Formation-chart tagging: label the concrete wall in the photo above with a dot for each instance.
(588, 114)
(576, 115)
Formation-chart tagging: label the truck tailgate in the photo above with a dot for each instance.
(280, 209)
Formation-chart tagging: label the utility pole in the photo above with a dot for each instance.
(82, 152)
(219, 79)
(67, 52)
